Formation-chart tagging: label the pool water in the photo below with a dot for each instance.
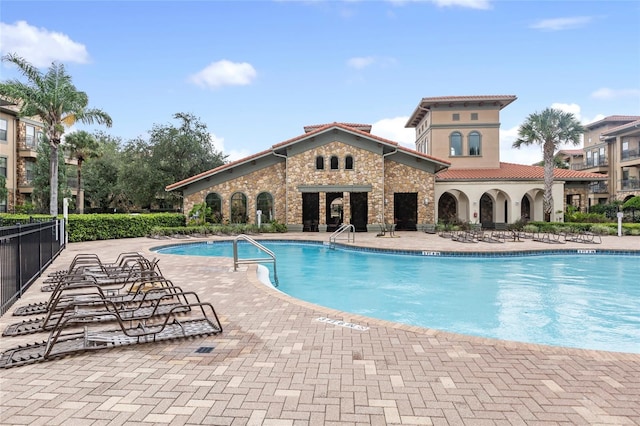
(583, 301)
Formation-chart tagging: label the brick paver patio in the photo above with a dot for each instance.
(275, 364)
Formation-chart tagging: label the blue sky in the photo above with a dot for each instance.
(256, 72)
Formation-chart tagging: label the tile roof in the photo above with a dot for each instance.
(427, 103)
(363, 127)
(511, 171)
(321, 129)
(612, 119)
(623, 128)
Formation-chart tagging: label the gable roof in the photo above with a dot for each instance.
(511, 171)
(623, 128)
(391, 145)
(426, 104)
(363, 127)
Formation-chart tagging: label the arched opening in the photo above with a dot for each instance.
(447, 208)
(238, 208)
(334, 210)
(214, 202)
(334, 162)
(525, 208)
(348, 162)
(486, 210)
(264, 203)
(319, 162)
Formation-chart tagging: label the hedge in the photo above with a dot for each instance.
(90, 227)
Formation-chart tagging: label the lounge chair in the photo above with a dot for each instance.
(548, 237)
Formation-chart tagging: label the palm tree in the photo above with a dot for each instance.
(53, 98)
(549, 128)
(81, 146)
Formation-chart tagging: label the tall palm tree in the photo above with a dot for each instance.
(549, 128)
(53, 98)
(81, 146)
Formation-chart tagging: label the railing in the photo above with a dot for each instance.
(590, 163)
(271, 258)
(630, 184)
(630, 155)
(349, 229)
(25, 251)
(599, 188)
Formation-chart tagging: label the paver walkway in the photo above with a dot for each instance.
(275, 364)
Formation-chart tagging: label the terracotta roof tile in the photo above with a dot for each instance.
(613, 119)
(363, 127)
(571, 152)
(511, 171)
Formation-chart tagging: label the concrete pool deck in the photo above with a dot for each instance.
(275, 364)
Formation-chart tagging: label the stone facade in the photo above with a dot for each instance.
(366, 172)
(270, 180)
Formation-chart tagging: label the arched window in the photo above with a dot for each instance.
(319, 162)
(348, 162)
(474, 143)
(334, 162)
(264, 203)
(214, 202)
(238, 208)
(455, 142)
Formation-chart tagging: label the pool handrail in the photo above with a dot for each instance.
(351, 234)
(271, 258)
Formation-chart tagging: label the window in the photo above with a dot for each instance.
(474, 115)
(3, 166)
(3, 205)
(455, 142)
(319, 162)
(239, 208)
(265, 204)
(603, 157)
(334, 162)
(30, 167)
(348, 162)
(474, 143)
(214, 202)
(456, 117)
(30, 139)
(3, 130)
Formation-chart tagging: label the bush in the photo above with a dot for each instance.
(90, 227)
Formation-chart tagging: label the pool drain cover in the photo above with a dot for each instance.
(204, 349)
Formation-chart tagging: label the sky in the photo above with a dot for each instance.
(257, 72)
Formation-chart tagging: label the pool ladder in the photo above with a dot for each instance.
(271, 258)
(349, 229)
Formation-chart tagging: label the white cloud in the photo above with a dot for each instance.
(607, 93)
(570, 108)
(524, 155)
(393, 129)
(40, 46)
(471, 4)
(559, 24)
(225, 73)
(361, 62)
(233, 154)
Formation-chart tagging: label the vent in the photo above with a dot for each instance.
(204, 349)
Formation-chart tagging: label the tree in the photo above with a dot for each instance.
(82, 146)
(101, 175)
(549, 128)
(3, 188)
(55, 100)
(171, 155)
(41, 196)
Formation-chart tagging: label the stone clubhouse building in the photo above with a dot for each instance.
(341, 173)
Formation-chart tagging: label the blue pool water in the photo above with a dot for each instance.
(584, 301)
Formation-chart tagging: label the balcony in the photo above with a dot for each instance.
(599, 188)
(602, 165)
(629, 155)
(630, 184)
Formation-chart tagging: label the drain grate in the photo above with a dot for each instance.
(204, 349)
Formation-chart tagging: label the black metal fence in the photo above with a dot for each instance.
(25, 251)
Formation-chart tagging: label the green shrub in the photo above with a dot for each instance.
(90, 227)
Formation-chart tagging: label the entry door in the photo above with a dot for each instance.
(405, 210)
(359, 210)
(310, 211)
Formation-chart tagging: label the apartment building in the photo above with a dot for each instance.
(612, 148)
(19, 139)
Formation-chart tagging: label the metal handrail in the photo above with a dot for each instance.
(351, 234)
(271, 258)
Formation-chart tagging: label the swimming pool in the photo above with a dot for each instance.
(589, 301)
